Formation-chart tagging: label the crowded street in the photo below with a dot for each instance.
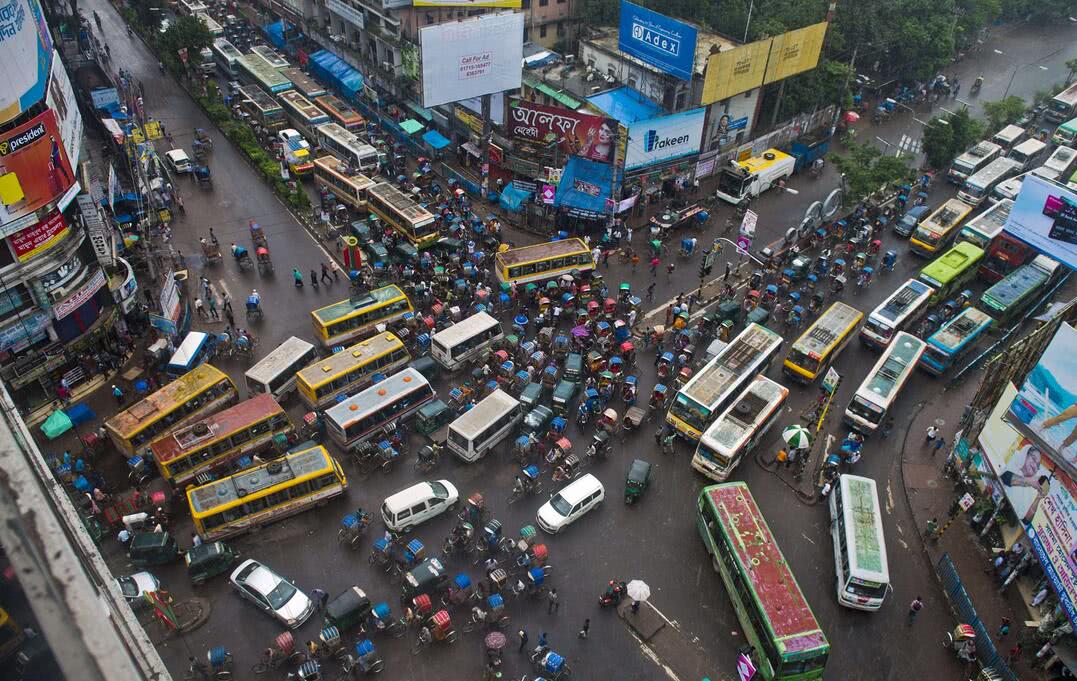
(259, 272)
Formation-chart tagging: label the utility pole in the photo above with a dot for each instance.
(487, 131)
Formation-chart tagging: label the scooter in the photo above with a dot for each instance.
(613, 594)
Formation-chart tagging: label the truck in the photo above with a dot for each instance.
(807, 149)
(206, 62)
(296, 151)
(742, 180)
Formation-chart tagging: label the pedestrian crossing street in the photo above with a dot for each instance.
(908, 145)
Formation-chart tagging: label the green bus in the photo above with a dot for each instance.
(952, 270)
(777, 622)
(1065, 134)
(1009, 297)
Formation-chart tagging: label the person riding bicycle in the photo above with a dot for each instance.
(238, 252)
(254, 301)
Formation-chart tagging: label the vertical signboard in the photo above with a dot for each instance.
(61, 99)
(654, 38)
(471, 58)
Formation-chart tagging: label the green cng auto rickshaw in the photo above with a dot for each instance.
(639, 476)
(573, 366)
(433, 416)
(562, 396)
(531, 395)
(152, 548)
(207, 560)
(348, 610)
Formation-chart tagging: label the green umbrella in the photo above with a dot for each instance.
(56, 425)
(797, 437)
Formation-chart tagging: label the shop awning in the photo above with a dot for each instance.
(331, 69)
(512, 198)
(585, 185)
(411, 126)
(471, 149)
(435, 139)
(421, 112)
(626, 105)
(276, 33)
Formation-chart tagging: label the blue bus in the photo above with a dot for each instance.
(197, 347)
(954, 340)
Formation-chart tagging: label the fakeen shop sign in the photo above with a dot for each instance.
(34, 240)
(578, 134)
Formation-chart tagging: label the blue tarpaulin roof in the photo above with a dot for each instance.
(435, 139)
(333, 70)
(584, 185)
(276, 32)
(626, 105)
(513, 197)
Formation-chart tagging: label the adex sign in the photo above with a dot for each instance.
(662, 139)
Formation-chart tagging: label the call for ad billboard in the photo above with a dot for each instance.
(34, 167)
(25, 55)
(1045, 217)
(578, 134)
(658, 40)
(471, 58)
(732, 72)
(662, 139)
(795, 52)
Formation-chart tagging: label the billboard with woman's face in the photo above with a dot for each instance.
(577, 134)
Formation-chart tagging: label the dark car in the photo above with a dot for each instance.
(907, 224)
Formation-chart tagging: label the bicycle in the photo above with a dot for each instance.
(422, 641)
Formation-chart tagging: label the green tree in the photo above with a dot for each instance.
(967, 129)
(1003, 112)
(185, 32)
(867, 171)
(938, 143)
(1071, 65)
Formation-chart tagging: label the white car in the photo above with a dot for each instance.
(135, 587)
(292, 139)
(272, 593)
(417, 504)
(178, 161)
(572, 502)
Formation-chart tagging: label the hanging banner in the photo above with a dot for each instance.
(75, 300)
(577, 134)
(658, 40)
(34, 241)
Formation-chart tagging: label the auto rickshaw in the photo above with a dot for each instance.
(207, 560)
(531, 395)
(348, 610)
(665, 365)
(758, 315)
(573, 366)
(637, 480)
(600, 445)
(563, 395)
(633, 419)
(428, 577)
(152, 548)
(536, 420)
(433, 416)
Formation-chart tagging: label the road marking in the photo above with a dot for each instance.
(648, 652)
(889, 498)
(808, 538)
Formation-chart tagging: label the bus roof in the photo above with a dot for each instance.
(227, 48)
(1015, 286)
(899, 359)
(260, 98)
(344, 307)
(183, 439)
(484, 413)
(270, 56)
(735, 424)
(263, 72)
(227, 491)
(864, 517)
(306, 85)
(955, 332)
(943, 219)
(327, 369)
(954, 261)
(759, 163)
(990, 222)
(791, 621)
(304, 107)
(165, 399)
(356, 406)
(550, 249)
(719, 374)
(270, 366)
(188, 349)
(401, 203)
(828, 329)
(466, 328)
(900, 300)
(357, 180)
(337, 106)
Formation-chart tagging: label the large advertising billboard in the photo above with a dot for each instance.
(656, 39)
(471, 58)
(61, 99)
(33, 241)
(795, 52)
(662, 139)
(34, 167)
(25, 53)
(1045, 217)
(1045, 409)
(732, 72)
(578, 134)
(510, 4)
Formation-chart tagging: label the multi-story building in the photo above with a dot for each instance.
(549, 23)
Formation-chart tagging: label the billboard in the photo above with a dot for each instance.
(471, 58)
(61, 99)
(654, 38)
(26, 49)
(511, 4)
(1045, 217)
(735, 71)
(795, 52)
(578, 134)
(34, 167)
(1045, 409)
(662, 139)
(33, 241)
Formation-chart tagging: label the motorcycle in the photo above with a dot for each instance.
(613, 594)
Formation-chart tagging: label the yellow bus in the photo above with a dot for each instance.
(821, 344)
(266, 493)
(402, 213)
(357, 316)
(940, 227)
(345, 372)
(540, 262)
(190, 397)
(210, 447)
(349, 188)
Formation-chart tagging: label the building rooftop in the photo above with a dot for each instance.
(606, 38)
(626, 105)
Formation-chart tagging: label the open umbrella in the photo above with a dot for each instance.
(580, 332)
(852, 116)
(797, 436)
(638, 590)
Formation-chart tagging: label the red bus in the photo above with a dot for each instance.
(1004, 256)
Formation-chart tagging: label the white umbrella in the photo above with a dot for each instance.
(638, 590)
(797, 437)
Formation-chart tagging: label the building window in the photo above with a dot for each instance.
(632, 82)
(679, 101)
(542, 31)
(560, 2)
(543, 3)
(560, 29)
(429, 18)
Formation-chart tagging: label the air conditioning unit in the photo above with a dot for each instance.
(388, 66)
(596, 89)
(611, 79)
(570, 59)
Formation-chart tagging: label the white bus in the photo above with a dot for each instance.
(856, 526)
(481, 428)
(1057, 168)
(966, 165)
(347, 147)
(1007, 189)
(739, 429)
(226, 55)
(897, 313)
(270, 56)
(881, 388)
(984, 181)
(191, 7)
(302, 113)
(275, 373)
(454, 346)
(714, 387)
(215, 29)
(374, 410)
(981, 230)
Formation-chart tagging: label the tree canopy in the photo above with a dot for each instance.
(947, 136)
(867, 170)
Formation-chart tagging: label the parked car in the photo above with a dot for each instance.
(570, 504)
(272, 593)
(178, 161)
(135, 587)
(425, 500)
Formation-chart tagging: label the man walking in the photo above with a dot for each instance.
(650, 292)
(914, 609)
(325, 274)
(939, 442)
(586, 628)
(554, 605)
(213, 308)
(522, 635)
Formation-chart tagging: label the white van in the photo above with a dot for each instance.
(1027, 153)
(178, 161)
(1009, 136)
(1007, 189)
(482, 427)
(417, 504)
(570, 504)
(856, 526)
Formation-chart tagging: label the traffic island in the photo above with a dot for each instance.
(666, 645)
